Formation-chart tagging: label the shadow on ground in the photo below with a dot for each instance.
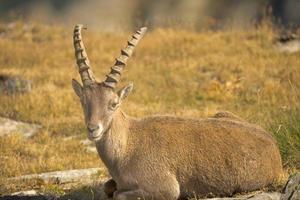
(91, 192)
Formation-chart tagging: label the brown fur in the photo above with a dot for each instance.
(168, 157)
(220, 156)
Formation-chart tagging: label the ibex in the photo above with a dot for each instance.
(168, 157)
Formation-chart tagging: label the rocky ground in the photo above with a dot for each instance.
(289, 43)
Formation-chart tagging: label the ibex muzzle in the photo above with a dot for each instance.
(168, 157)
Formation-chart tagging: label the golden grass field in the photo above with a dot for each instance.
(177, 72)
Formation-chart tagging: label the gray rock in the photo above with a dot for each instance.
(266, 196)
(291, 190)
(8, 126)
(289, 47)
(13, 85)
(296, 195)
(225, 198)
(26, 193)
(257, 196)
(62, 177)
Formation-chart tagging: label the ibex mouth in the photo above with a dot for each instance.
(94, 139)
(95, 133)
(94, 136)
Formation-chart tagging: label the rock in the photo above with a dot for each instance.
(27, 195)
(8, 126)
(266, 196)
(288, 42)
(289, 47)
(258, 196)
(296, 195)
(13, 85)
(243, 197)
(62, 177)
(291, 190)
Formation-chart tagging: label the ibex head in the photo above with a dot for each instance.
(99, 100)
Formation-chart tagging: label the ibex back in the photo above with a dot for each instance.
(168, 157)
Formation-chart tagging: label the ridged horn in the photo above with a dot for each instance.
(116, 70)
(82, 60)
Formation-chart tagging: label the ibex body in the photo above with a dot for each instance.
(166, 157)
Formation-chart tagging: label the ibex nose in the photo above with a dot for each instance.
(92, 127)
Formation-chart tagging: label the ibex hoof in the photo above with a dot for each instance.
(110, 187)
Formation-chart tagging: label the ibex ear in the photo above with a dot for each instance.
(77, 87)
(125, 91)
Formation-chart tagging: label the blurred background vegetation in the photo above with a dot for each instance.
(198, 14)
(199, 57)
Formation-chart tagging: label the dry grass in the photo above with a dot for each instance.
(175, 72)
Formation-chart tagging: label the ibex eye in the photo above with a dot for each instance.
(113, 105)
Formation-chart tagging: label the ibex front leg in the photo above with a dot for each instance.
(168, 190)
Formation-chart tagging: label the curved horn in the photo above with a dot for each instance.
(114, 76)
(82, 60)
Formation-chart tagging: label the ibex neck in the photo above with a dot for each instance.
(112, 146)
